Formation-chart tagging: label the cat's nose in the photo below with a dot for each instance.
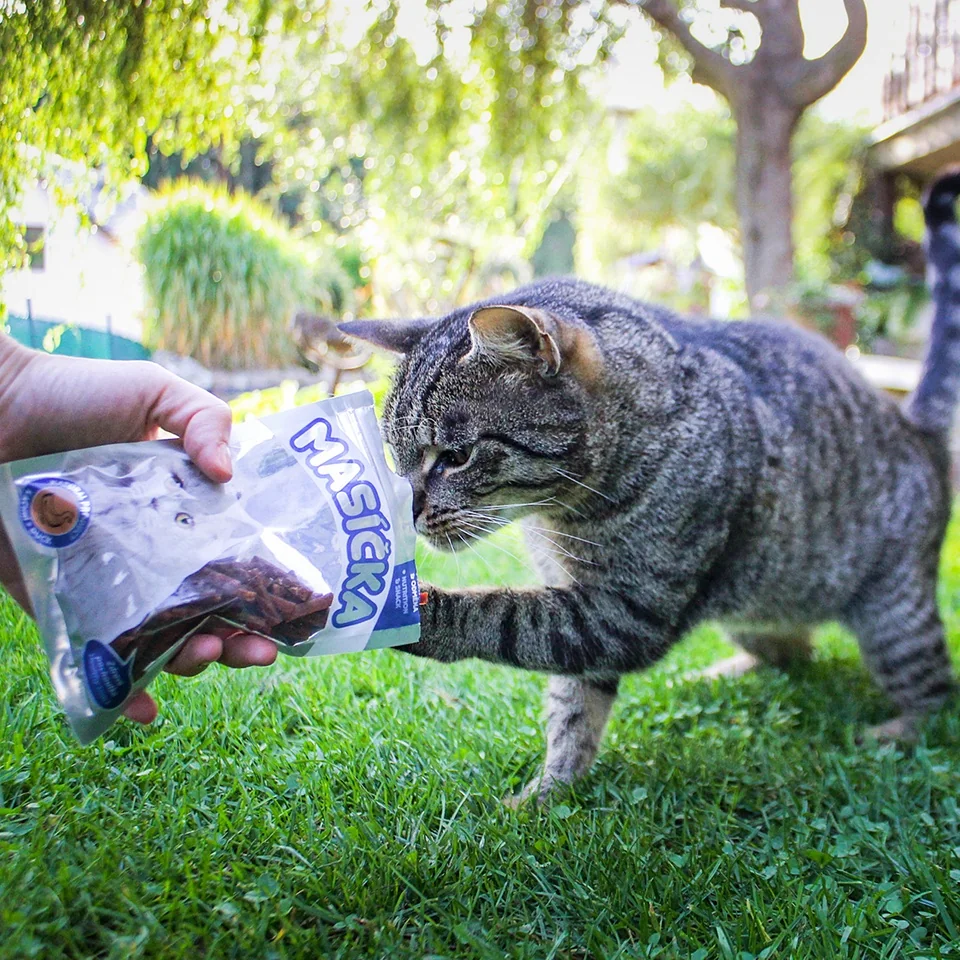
(419, 503)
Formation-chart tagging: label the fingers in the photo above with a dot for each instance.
(196, 655)
(10, 575)
(200, 419)
(205, 441)
(248, 650)
(237, 650)
(141, 708)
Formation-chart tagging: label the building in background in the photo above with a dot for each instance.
(81, 279)
(920, 134)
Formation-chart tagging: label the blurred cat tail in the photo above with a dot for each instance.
(932, 405)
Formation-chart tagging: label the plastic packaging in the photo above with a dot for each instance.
(127, 550)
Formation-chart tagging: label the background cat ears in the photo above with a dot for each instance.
(395, 336)
(501, 335)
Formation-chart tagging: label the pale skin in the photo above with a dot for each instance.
(49, 404)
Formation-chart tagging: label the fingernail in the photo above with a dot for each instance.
(223, 459)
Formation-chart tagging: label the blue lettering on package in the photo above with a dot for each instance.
(54, 511)
(107, 676)
(402, 608)
(361, 518)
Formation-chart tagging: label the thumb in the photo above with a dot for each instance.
(201, 420)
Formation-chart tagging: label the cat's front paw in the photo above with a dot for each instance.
(431, 649)
(540, 791)
(435, 643)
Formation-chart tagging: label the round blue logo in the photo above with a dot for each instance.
(107, 676)
(54, 511)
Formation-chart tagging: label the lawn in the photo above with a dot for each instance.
(349, 807)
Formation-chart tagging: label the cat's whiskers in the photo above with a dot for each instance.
(544, 535)
(509, 553)
(569, 536)
(541, 532)
(543, 554)
(529, 526)
(510, 506)
(456, 558)
(586, 486)
(465, 538)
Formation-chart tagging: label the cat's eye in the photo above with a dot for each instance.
(448, 459)
(184, 519)
(174, 482)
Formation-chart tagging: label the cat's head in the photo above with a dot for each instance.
(487, 416)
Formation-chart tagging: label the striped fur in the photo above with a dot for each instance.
(932, 406)
(670, 472)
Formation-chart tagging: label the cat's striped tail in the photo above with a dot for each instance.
(932, 405)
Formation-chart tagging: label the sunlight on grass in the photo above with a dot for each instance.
(349, 807)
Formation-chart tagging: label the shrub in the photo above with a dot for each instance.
(224, 278)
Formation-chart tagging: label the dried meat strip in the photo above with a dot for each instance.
(253, 595)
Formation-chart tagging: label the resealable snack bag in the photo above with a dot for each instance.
(127, 550)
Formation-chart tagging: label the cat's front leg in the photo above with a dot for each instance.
(577, 712)
(438, 638)
(572, 631)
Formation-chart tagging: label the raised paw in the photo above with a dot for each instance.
(736, 666)
(903, 729)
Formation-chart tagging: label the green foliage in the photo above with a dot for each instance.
(891, 314)
(89, 80)
(442, 146)
(828, 166)
(442, 136)
(680, 172)
(908, 218)
(454, 137)
(224, 278)
(348, 807)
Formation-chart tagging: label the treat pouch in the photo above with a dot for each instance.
(127, 550)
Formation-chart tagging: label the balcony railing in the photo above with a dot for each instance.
(929, 64)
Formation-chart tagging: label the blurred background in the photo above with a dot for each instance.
(215, 183)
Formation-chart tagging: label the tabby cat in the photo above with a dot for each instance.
(678, 471)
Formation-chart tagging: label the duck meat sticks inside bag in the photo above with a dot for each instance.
(127, 550)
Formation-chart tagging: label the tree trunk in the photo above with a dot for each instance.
(767, 96)
(765, 128)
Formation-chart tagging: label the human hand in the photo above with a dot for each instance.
(49, 404)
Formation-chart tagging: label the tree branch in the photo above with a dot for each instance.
(818, 77)
(709, 66)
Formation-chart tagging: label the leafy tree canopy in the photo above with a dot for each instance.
(92, 79)
(441, 133)
(679, 171)
(438, 101)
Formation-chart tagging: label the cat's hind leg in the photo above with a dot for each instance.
(782, 647)
(901, 638)
(577, 712)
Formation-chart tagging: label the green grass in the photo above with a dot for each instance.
(349, 807)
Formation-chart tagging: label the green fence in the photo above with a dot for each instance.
(55, 336)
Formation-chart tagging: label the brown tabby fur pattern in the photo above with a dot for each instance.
(671, 471)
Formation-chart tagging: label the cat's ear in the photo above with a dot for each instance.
(507, 334)
(396, 336)
(515, 335)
